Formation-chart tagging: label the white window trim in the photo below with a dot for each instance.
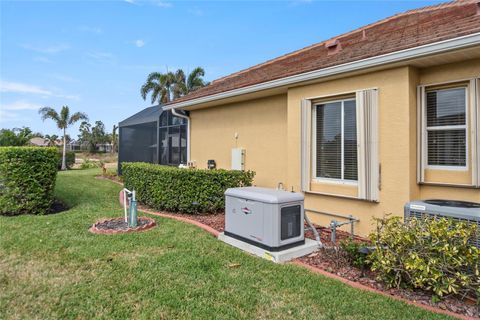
(341, 181)
(425, 130)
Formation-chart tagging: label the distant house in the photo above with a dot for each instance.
(38, 142)
(361, 123)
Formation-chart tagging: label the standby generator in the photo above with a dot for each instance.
(268, 218)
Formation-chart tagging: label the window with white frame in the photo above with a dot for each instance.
(335, 140)
(446, 127)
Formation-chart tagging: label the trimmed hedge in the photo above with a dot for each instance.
(182, 190)
(27, 179)
(70, 158)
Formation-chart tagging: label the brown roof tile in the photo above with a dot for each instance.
(402, 31)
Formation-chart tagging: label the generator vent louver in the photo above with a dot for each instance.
(460, 211)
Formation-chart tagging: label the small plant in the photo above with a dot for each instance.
(89, 164)
(430, 254)
(354, 252)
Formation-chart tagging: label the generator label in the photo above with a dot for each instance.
(417, 207)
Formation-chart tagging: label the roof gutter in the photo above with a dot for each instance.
(397, 56)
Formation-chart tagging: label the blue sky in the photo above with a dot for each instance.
(95, 55)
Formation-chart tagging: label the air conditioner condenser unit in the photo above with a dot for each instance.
(468, 212)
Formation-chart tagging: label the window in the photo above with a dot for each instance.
(446, 127)
(173, 139)
(336, 140)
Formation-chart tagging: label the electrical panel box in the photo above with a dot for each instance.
(238, 159)
(268, 218)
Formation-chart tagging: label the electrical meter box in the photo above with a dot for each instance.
(268, 218)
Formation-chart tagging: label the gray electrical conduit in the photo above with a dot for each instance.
(314, 230)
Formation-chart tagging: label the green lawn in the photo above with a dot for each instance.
(52, 267)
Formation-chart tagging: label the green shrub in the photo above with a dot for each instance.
(430, 254)
(27, 179)
(89, 164)
(69, 157)
(182, 190)
(354, 254)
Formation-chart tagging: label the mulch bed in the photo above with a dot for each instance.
(118, 225)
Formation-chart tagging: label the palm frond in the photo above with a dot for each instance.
(195, 79)
(50, 113)
(77, 116)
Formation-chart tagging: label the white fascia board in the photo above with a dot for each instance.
(397, 56)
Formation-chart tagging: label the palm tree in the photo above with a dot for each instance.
(51, 140)
(168, 86)
(160, 85)
(63, 120)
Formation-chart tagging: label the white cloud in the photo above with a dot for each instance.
(62, 77)
(42, 59)
(139, 43)
(101, 56)
(7, 116)
(20, 105)
(24, 88)
(16, 87)
(89, 29)
(162, 4)
(196, 11)
(131, 1)
(47, 49)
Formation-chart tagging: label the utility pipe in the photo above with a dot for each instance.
(175, 113)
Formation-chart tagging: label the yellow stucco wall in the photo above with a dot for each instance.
(394, 147)
(270, 129)
(261, 125)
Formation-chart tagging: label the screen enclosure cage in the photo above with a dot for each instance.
(153, 136)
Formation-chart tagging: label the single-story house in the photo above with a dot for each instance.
(361, 123)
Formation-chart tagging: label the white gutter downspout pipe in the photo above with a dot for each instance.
(175, 113)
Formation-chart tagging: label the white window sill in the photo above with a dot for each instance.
(335, 181)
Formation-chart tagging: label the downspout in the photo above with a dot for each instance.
(175, 113)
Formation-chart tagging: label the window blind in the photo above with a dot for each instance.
(329, 140)
(336, 140)
(446, 127)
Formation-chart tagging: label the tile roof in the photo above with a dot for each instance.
(402, 31)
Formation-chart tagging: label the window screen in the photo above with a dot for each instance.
(446, 127)
(336, 140)
(173, 139)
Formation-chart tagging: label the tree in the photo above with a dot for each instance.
(15, 137)
(51, 140)
(63, 121)
(167, 86)
(159, 85)
(93, 135)
(185, 85)
(114, 139)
